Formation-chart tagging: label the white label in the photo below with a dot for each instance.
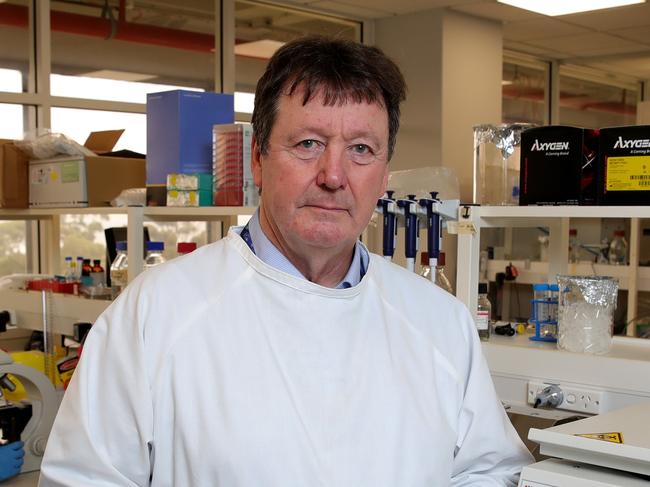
(482, 320)
(461, 227)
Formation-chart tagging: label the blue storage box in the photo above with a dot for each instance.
(179, 131)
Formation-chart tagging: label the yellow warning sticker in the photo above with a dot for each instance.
(630, 173)
(614, 437)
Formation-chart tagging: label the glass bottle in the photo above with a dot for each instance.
(69, 270)
(618, 249)
(97, 273)
(119, 269)
(154, 255)
(426, 269)
(574, 246)
(483, 312)
(441, 278)
(80, 266)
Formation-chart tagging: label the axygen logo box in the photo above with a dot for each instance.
(558, 166)
(624, 166)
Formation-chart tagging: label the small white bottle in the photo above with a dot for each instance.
(618, 249)
(483, 312)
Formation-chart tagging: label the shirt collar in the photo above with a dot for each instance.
(271, 255)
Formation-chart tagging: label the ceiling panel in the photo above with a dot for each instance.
(496, 11)
(612, 18)
(639, 67)
(395, 6)
(637, 34)
(353, 10)
(540, 28)
(543, 52)
(587, 44)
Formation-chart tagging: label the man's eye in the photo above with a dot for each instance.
(307, 144)
(361, 149)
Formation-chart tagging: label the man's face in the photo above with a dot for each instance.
(325, 168)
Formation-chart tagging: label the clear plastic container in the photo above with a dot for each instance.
(586, 313)
(574, 246)
(483, 312)
(154, 255)
(540, 300)
(496, 163)
(618, 249)
(119, 269)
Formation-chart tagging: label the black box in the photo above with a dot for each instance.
(624, 163)
(558, 166)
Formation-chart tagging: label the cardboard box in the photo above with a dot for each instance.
(180, 197)
(179, 131)
(233, 178)
(190, 182)
(14, 188)
(624, 162)
(558, 166)
(80, 181)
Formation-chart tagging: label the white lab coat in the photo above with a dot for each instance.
(216, 369)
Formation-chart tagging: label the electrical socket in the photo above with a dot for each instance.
(574, 397)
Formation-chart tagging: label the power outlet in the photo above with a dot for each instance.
(575, 397)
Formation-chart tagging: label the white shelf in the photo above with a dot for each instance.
(537, 272)
(203, 212)
(565, 211)
(65, 309)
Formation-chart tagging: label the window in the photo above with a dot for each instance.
(14, 45)
(260, 29)
(11, 121)
(524, 88)
(127, 45)
(77, 124)
(83, 235)
(12, 247)
(594, 103)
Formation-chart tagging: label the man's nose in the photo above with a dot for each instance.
(332, 172)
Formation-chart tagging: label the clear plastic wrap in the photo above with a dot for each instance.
(48, 145)
(587, 305)
(496, 163)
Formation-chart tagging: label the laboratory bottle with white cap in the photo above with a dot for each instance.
(154, 255)
(483, 312)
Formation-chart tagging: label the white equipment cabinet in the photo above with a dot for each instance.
(65, 310)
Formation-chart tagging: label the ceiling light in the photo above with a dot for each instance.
(263, 49)
(564, 7)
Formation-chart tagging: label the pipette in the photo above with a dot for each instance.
(386, 206)
(409, 206)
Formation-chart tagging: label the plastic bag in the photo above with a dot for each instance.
(46, 145)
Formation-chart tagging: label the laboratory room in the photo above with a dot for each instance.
(293, 243)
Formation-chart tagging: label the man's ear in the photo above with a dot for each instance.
(256, 163)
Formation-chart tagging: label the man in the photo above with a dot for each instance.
(285, 354)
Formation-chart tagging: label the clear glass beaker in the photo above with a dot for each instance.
(586, 314)
(496, 163)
